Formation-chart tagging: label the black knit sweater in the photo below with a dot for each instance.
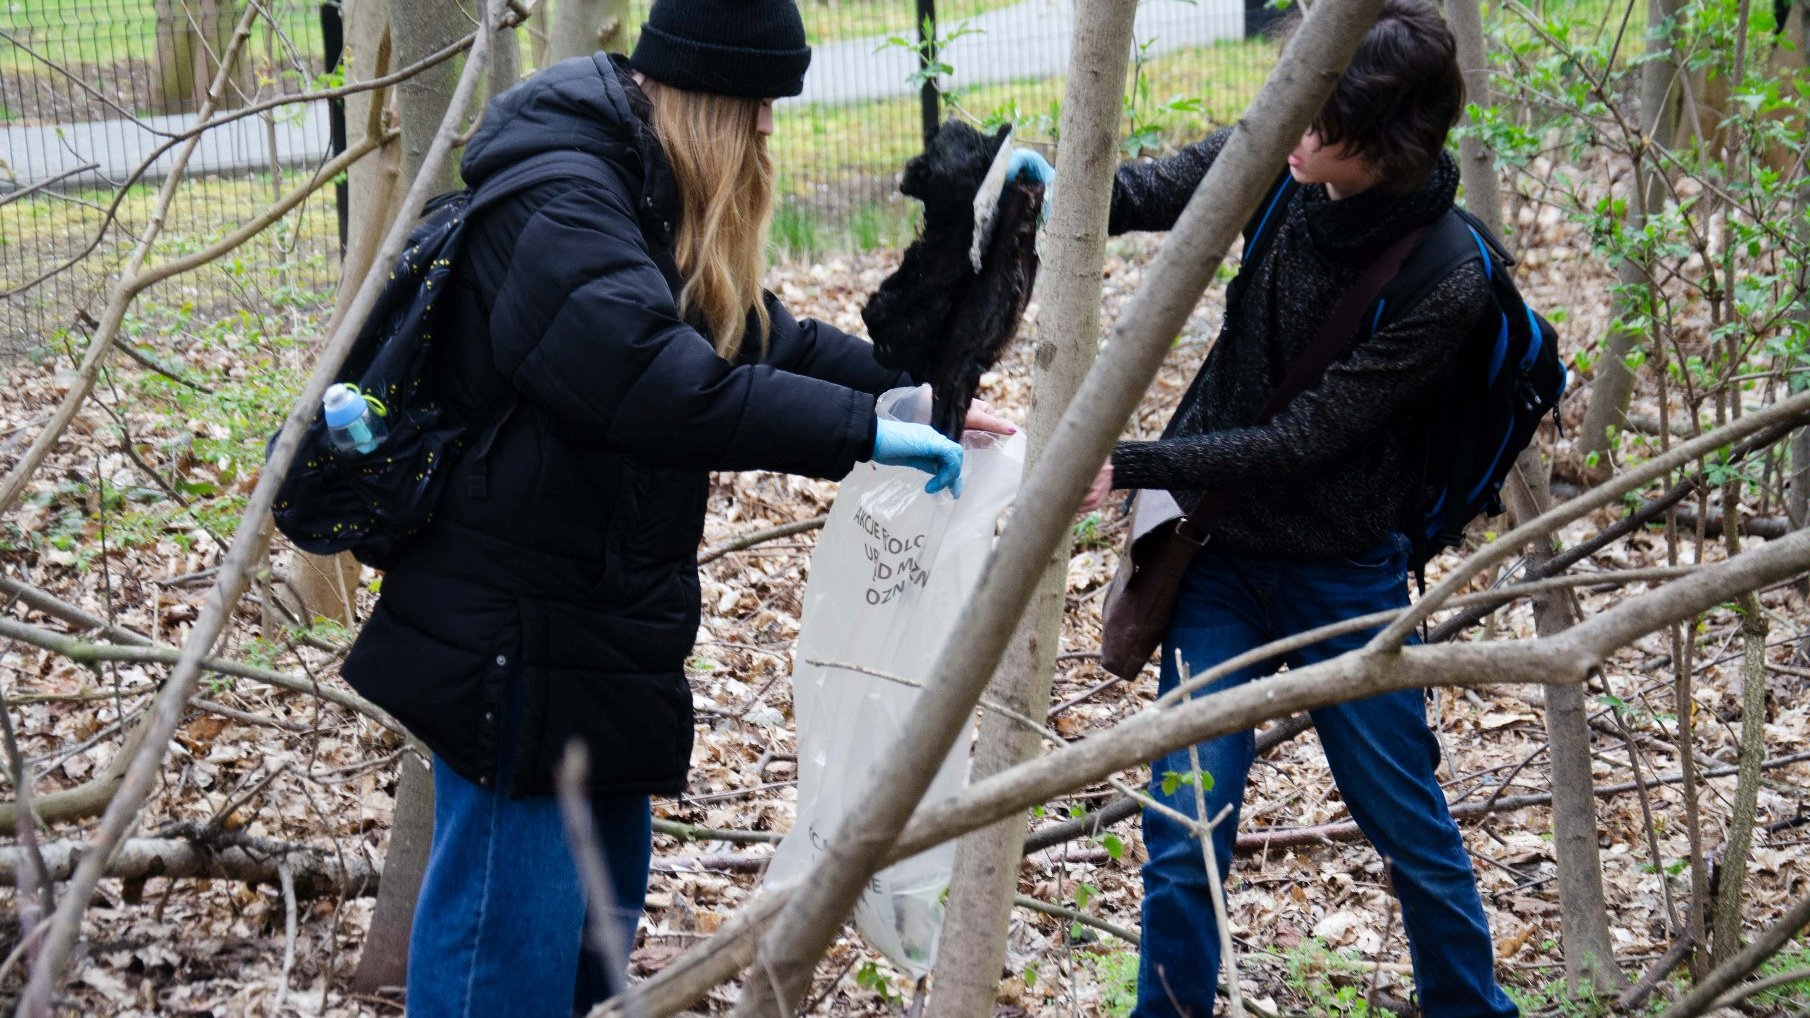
(1337, 470)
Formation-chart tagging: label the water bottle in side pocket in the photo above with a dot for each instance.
(352, 428)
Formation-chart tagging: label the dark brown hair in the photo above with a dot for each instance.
(1401, 95)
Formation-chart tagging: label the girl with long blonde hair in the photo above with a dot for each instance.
(613, 345)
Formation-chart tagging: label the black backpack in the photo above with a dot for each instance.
(1504, 378)
(369, 503)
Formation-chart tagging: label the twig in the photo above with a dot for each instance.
(1499, 550)
(289, 924)
(1289, 837)
(151, 363)
(1723, 977)
(1634, 996)
(760, 537)
(602, 910)
(1076, 916)
(1203, 830)
(690, 832)
(40, 601)
(135, 279)
(221, 119)
(212, 828)
(25, 192)
(1759, 986)
(1650, 510)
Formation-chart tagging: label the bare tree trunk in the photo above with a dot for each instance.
(505, 61)
(191, 37)
(324, 587)
(327, 586)
(1583, 911)
(385, 960)
(176, 85)
(1797, 493)
(972, 949)
(1477, 164)
(1725, 923)
(1613, 382)
(1589, 951)
(580, 27)
(418, 28)
(1296, 89)
(1798, 499)
(614, 36)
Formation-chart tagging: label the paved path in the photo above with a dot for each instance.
(1028, 40)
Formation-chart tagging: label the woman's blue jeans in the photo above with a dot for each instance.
(1382, 757)
(500, 924)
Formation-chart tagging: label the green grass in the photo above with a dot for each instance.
(804, 233)
(812, 144)
(1790, 997)
(1117, 973)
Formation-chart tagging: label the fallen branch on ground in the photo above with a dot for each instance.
(317, 872)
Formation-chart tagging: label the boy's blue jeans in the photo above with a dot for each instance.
(500, 924)
(1382, 756)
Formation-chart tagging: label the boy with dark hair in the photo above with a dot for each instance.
(1320, 495)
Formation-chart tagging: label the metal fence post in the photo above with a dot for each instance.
(333, 41)
(928, 98)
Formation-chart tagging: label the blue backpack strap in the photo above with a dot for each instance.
(1260, 232)
(1455, 239)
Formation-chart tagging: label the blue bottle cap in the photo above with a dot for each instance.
(342, 405)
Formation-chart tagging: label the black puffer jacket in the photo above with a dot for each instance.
(575, 571)
(1339, 468)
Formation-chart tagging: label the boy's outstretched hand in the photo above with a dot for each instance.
(1099, 491)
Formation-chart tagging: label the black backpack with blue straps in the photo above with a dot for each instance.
(1505, 377)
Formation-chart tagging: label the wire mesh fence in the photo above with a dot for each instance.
(94, 95)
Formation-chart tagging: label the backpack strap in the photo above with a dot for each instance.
(539, 169)
(1454, 239)
(1336, 332)
(1260, 229)
(531, 172)
(1260, 233)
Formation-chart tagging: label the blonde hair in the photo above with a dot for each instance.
(725, 177)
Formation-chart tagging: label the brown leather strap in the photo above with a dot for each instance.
(1336, 332)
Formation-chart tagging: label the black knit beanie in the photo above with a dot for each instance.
(751, 48)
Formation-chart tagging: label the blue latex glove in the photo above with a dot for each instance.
(1027, 163)
(897, 444)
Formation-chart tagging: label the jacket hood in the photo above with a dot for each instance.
(585, 104)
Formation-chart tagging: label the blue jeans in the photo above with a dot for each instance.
(501, 924)
(1382, 757)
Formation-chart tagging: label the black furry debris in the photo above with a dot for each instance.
(935, 316)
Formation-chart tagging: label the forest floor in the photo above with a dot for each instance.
(1314, 925)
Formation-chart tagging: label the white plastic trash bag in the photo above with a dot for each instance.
(890, 576)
